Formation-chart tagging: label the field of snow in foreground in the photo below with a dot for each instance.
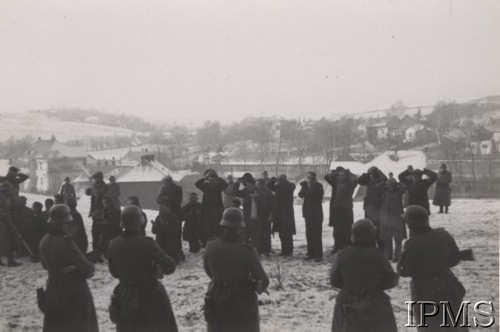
(305, 303)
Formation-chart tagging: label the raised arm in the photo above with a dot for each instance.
(403, 177)
(431, 176)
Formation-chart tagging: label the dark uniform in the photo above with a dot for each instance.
(67, 192)
(68, 303)
(173, 192)
(427, 258)
(111, 226)
(234, 268)
(283, 216)
(144, 304)
(312, 211)
(166, 227)
(442, 192)
(79, 233)
(114, 193)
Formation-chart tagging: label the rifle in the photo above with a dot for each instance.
(16, 233)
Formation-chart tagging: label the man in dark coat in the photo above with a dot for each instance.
(191, 213)
(77, 231)
(283, 216)
(7, 245)
(166, 227)
(111, 225)
(97, 192)
(137, 261)
(372, 202)
(257, 207)
(134, 200)
(49, 203)
(311, 192)
(39, 228)
(173, 192)
(114, 192)
(266, 203)
(442, 192)
(67, 190)
(427, 258)
(343, 183)
(237, 276)
(392, 225)
(417, 187)
(15, 178)
(68, 303)
(212, 187)
(362, 273)
(22, 218)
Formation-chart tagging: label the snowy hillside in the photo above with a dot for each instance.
(306, 301)
(40, 125)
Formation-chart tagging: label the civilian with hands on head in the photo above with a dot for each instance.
(417, 186)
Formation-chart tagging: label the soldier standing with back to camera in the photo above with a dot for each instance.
(97, 192)
(139, 302)
(237, 276)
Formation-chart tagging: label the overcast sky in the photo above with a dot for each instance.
(183, 59)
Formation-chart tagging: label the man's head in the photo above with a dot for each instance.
(311, 176)
(282, 178)
(49, 202)
(167, 179)
(97, 177)
(444, 167)
(193, 197)
(58, 199)
(67, 180)
(363, 231)
(261, 184)
(265, 175)
(37, 207)
(133, 200)
(13, 171)
(391, 182)
(230, 178)
(417, 175)
(236, 203)
(21, 201)
(416, 217)
(112, 179)
(132, 218)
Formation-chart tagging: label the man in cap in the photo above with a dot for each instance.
(15, 178)
(173, 193)
(237, 277)
(166, 228)
(372, 203)
(137, 261)
(343, 183)
(114, 191)
(417, 186)
(212, 207)
(67, 190)
(427, 258)
(283, 216)
(192, 223)
(97, 192)
(442, 192)
(311, 192)
(68, 303)
(362, 273)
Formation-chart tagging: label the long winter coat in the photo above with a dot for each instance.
(212, 207)
(68, 192)
(114, 193)
(68, 301)
(133, 259)
(5, 234)
(80, 235)
(427, 258)
(362, 273)
(97, 192)
(231, 266)
(391, 221)
(283, 215)
(418, 191)
(372, 203)
(442, 191)
(191, 213)
(312, 208)
(342, 191)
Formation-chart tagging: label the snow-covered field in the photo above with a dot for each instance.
(306, 301)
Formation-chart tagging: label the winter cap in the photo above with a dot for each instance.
(98, 175)
(13, 169)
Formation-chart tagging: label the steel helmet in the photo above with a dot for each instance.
(131, 217)
(416, 216)
(60, 214)
(232, 217)
(363, 230)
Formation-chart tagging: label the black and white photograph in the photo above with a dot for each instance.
(220, 166)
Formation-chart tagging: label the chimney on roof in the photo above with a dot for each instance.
(53, 138)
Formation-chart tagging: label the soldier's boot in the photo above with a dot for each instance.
(440, 209)
(446, 209)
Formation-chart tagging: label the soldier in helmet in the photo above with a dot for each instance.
(427, 258)
(68, 303)
(237, 276)
(362, 273)
(140, 302)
